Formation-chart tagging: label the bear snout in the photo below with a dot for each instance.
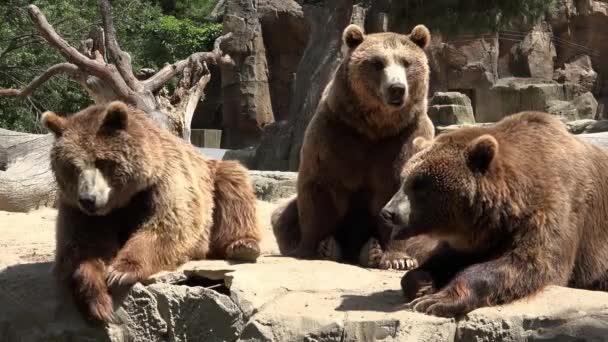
(396, 94)
(93, 191)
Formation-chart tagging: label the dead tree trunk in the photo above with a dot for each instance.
(105, 71)
(26, 180)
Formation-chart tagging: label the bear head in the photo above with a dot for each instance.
(101, 157)
(387, 70)
(449, 188)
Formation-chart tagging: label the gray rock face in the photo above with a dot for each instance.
(286, 33)
(451, 108)
(271, 186)
(536, 53)
(245, 87)
(579, 71)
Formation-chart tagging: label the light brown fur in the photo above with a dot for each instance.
(353, 152)
(163, 204)
(519, 205)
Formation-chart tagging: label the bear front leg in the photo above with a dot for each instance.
(499, 281)
(145, 253)
(83, 267)
(320, 210)
(438, 269)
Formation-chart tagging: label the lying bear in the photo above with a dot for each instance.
(135, 200)
(519, 205)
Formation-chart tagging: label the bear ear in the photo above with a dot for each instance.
(54, 123)
(353, 36)
(481, 152)
(116, 117)
(420, 143)
(421, 36)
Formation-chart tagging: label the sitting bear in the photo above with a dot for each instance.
(519, 205)
(135, 200)
(354, 149)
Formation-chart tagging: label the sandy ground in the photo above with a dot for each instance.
(30, 237)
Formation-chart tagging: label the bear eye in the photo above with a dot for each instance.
(378, 64)
(104, 165)
(405, 62)
(420, 183)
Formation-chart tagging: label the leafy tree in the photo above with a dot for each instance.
(151, 38)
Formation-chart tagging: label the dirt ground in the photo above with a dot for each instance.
(30, 237)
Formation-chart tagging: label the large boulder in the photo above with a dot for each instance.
(534, 56)
(450, 108)
(579, 71)
(512, 95)
(271, 186)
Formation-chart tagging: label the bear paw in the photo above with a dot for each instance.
(123, 273)
(438, 304)
(243, 250)
(372, 255)
(417, 283)
(329, 249)
(100, 310)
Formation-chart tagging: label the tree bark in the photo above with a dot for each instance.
(26, 180)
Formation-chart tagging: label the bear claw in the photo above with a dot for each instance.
(101, 310)
(119, 278)
(243, 250)
(329, 249)
(372, 255)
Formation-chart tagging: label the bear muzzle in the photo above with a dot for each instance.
(93, 191)
(396, 94)
(395, 215)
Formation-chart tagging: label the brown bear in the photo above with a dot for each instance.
(354, 149)
(134, 200)
(518, 206)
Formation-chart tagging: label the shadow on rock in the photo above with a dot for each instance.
(385, 301)
(34, 308)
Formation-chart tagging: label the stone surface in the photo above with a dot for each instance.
(450, 108)
(281, 19)
(273, 185)
(246, 105)
(272, 153)
(579, 71)
(586, 105)
(512, 95)
(536, 53)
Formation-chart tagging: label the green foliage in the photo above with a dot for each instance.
(151, 38)
(452, 17)
(173, 39)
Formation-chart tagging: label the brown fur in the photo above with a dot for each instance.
(353, 152)
(167, 203)
(520, 205)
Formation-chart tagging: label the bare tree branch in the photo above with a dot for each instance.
(106, 72)
(121, 58)
(62, 68)
(169, 71)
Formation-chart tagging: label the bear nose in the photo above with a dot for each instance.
(396, 92)
(388, 216)
(87, 203)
